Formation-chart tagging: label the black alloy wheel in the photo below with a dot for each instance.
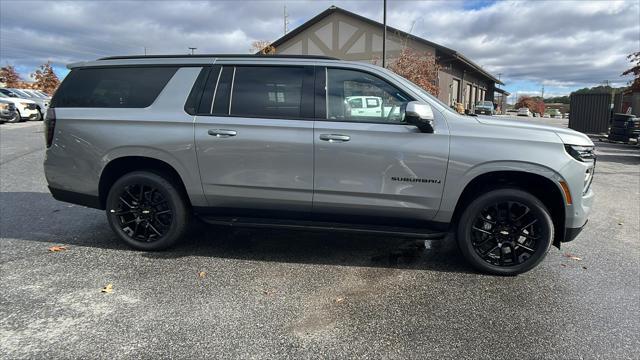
(143, 212)
(147, 211)
(505, 232)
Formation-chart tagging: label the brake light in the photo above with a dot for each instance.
(49, 126)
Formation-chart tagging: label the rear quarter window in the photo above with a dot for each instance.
(117, 87)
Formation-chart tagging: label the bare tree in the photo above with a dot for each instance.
(262, 47)
(634, 70)
(421, 69)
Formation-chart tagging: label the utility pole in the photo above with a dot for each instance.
(145, 51)
(193, 49)
(542, 93)
(286, 20)
(384, 34)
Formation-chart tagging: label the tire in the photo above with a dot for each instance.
(517, 248)
(156, 222)
(15, 118)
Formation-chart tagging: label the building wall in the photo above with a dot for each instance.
(344, 37)
(347, 38)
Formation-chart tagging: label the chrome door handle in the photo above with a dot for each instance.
(335, 137)
(222, 133)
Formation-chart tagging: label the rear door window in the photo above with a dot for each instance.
(116, 87)
(272, 92)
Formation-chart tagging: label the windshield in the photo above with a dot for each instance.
(7, 93)
(21, 93)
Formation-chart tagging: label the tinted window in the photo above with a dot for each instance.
(193, 101)
(134, 87)
(383, 100)
(223, 91)
(274, 92)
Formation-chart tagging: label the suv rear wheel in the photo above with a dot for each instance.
(147, 211)
(505, 232)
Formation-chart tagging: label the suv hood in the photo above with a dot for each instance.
(568, 136)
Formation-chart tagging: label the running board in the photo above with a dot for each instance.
(246, 222)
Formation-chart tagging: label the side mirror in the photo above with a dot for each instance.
(420, 115)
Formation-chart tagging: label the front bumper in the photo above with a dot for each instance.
(572, 233)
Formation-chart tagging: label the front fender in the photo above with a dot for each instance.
(457, 181)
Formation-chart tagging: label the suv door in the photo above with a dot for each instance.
(374, 165)
(254, 137)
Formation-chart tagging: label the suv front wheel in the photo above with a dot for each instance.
(147, 211)
(505, 232)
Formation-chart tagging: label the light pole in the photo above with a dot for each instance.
(384, 34)
(193, 49)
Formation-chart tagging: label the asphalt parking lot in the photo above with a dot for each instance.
(226, 293)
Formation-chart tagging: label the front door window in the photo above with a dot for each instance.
(358, 96)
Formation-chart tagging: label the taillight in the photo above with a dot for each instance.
(49, 126)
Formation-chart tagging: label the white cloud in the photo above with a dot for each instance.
(556, 43)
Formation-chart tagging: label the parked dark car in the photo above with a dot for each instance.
(485, 107)
(624, 127)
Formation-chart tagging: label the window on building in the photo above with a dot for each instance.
(382, 100)
(455, 86)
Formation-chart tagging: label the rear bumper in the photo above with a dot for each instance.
(76, 198)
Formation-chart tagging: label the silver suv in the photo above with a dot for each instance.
(271, 141)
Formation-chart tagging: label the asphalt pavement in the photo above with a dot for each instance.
(226, 293)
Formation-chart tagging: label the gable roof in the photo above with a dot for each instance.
(439, 48)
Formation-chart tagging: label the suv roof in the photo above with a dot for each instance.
(190, 60)
(175, 56)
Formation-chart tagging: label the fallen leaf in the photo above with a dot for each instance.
(584, 267)
(202, 274)
(339, 300)
(563, 265)
(268, 292)
(107, 289)
(57, 248)
(572, 257)
(620, 223)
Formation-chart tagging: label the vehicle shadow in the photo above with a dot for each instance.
(35, 216)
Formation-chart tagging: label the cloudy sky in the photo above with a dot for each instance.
(562, 45)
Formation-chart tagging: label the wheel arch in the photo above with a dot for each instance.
(120, 166)
(542, 187)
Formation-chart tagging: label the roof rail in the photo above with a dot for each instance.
(217, 56)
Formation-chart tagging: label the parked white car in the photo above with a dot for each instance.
(369, 106)
(43, 104)
(524, 112)
(27, 109)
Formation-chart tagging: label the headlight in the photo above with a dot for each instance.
(4, 106)
(24, 104)
(581, 153)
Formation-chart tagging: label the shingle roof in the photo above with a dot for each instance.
(439, 48)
